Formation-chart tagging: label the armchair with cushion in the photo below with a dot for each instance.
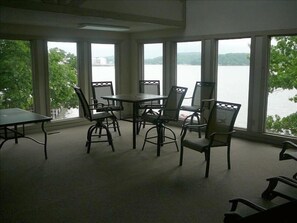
(218, 133)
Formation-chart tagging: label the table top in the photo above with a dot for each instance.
(13, 116)
(139, 97)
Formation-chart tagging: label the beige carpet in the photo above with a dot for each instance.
(128, 185)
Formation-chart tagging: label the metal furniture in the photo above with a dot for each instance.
(284, 212)
(287, 184)
(135, 99)
(103, 88)
(11, 118)
(99, 118)
(149, 87)
(219, 130)
(201, 102)
(169, 113)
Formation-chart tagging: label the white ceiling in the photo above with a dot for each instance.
(71, 14)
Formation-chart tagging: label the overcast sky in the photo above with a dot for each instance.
(154, 50)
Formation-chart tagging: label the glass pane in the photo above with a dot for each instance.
(153, 62)
(16, 75)
(282, 86)
(233, 75)
(103, 63)
(188, 69)
(62, 77)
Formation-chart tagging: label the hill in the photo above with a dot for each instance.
(193, 58)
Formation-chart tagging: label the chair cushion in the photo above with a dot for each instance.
(101, 115)
(198, 144)
(156, 118)
(190, 108)
(109, 108)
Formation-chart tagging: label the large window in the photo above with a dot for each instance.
(282, 86)
(188, 69)
(233, 75)
(153, 62)
(103, 63)
(62, 77)
(16, 75)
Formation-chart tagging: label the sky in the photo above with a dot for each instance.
(155, 49)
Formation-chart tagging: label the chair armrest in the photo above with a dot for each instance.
(189, 126)
(234, 203)
(285, 156)
(208, 100)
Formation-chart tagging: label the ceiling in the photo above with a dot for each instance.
(74, 13)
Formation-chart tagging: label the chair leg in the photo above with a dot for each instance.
(181, 155)
(116, 125)
(109, 137)
(184, 122)
(145, 137)
(89, 137)
(160, 131)
(174, 137)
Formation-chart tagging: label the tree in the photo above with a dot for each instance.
(16, 76)
(283, 74)
(62, 76)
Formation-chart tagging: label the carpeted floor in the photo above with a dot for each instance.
(128, 185)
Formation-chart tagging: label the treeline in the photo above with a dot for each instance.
(229, 59)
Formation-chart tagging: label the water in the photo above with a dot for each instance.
(232, 86)
(233, 83)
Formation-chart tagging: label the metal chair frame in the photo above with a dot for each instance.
(99, 118)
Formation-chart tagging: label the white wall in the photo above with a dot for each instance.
(230, 16)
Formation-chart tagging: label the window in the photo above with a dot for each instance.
(153, 62)
(62, 77)
(282, 86)
(103, 63)
(188, 69)
(16, 75)
(233, 75)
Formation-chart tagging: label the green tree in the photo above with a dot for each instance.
(16, 76)
(283, 75)
(62, 76)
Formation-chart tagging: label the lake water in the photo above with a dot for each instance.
(233, 82)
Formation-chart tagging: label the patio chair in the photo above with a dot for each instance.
(98, 118)
(243, 210)
(288, 185)
(219, 130)
(149, 87)
(104, 88)
(168, 113)
(201, 103)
